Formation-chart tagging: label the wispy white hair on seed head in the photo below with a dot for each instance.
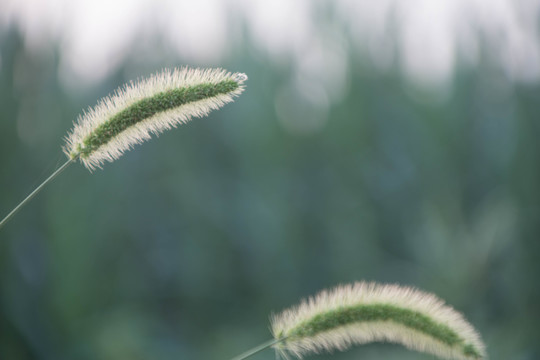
(134, 92)
(361, 294)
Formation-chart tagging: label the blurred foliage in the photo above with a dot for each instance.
(183, 247)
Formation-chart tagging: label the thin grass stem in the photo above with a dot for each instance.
(36, 190)
(257, 349)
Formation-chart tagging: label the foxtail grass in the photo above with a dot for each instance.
(362, 313)
(138, 110)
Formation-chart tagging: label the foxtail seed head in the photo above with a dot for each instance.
(367, 312)
(132, 113)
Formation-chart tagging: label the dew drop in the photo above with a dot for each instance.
(240, 77)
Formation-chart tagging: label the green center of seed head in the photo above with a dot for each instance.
(146, 108)
(344, 316)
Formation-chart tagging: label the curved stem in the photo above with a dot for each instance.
(33, 193)
(257, 349)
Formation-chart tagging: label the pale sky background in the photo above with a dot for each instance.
(424, 38)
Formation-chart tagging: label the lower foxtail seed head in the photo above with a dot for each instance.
(146, 107)
(367, 312)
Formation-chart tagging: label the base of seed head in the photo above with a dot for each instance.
(76, 152)
(149, 106)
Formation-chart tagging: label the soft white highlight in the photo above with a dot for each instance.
(427, 39)
(362, 293)
(133, 92)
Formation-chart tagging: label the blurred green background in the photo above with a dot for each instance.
(386, 141)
